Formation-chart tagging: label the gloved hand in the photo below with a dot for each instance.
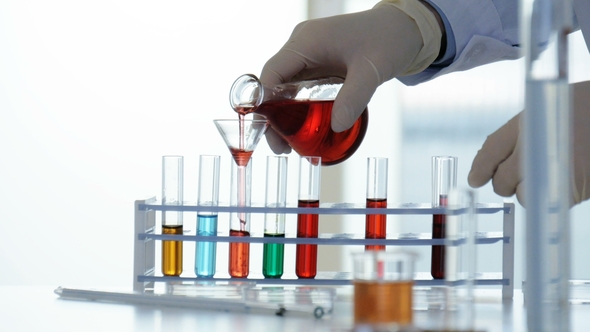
(499, 158)
(395, 38)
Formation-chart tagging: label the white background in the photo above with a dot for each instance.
(93, 93)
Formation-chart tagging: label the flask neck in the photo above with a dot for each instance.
(246, 94)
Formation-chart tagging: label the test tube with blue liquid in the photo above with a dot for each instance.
(274, 223)
(208, 195)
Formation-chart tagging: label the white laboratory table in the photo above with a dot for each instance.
(36, 308)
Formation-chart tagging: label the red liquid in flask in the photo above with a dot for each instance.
(375, 224)
(306, 257)
(239, 256)
(437, 265)
(305, 125)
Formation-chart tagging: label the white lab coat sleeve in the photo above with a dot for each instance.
(582, 10)
(485, 31)
(478, 33)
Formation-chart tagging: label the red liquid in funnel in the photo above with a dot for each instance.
(241, 157)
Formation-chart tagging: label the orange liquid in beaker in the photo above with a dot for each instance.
(383, 302)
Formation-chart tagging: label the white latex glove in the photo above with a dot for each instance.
(499, 158)
(368, 48)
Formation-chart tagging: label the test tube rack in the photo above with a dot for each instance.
(146, 235)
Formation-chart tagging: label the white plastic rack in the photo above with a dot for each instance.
(146, 235)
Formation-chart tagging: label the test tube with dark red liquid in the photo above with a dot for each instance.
(376, 224)
(444, 179)
(306, 255)
(239, 252)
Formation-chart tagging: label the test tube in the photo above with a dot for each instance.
(172, 194)
(444, 179)
(376, 224)
(306, 255)
(547, 156)
(239, 252)
(274, 223)
(208, 195)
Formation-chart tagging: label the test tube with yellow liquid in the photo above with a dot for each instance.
(172, 194)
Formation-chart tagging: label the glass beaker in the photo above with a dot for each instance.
(383, 289)
(301, 113)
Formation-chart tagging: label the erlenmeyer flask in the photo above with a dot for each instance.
(300, 112)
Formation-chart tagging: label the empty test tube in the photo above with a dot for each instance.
(172, 194)
(208, 195)
(274, 223)
(376, 224)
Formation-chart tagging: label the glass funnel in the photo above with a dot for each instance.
(241, 137)
(301, 113)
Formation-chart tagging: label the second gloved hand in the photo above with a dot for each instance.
(499, 158)
(395, 38)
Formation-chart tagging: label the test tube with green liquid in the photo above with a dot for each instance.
(274, 223)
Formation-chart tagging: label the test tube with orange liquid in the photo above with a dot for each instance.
(172, 194)
(376, 224)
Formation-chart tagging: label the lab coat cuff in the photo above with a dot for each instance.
(429, 29)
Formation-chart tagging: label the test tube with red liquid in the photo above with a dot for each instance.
(306, 255)
(239, 252)
(444, 179)
(376, 224)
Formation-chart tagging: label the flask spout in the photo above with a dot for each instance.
(246, 94)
